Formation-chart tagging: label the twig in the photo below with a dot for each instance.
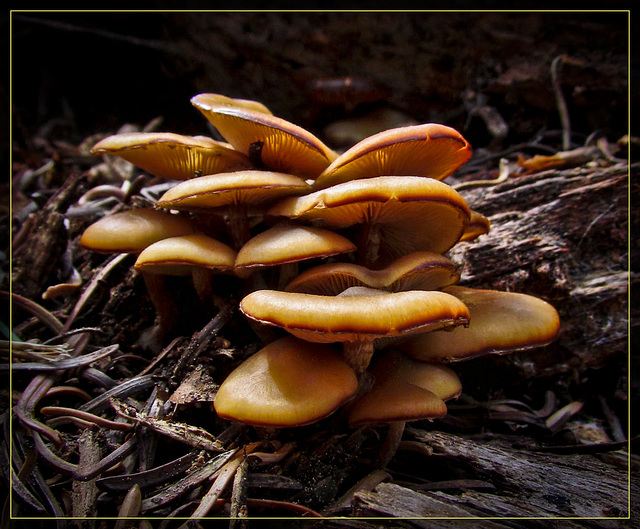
(224, 476)
(95, 280)
(90, 472)
(149, 478)
(560, 100)
(190, 481)
(59, 411)
(184, 433)
(503, 175)
(121, 391)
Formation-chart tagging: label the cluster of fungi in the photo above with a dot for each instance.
(344, 252)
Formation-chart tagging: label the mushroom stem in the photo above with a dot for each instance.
(163, 302)
(368, 242)
(391, 442)
(203, 284)
(358, 355)
(238, 225)
(286, 273)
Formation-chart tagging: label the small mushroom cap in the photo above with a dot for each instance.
(428, 150)
(354, 318)
(285, 147)
(287, 383)
(179, 255)
(218, 100)
(239, 187)
(133, 230)
(500, 322)
(289, 243)
(478, 225)
(415, 271)
(411, 212)
(174, 156)
(405, 390)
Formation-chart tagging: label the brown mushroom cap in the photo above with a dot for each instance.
(283, 146)
(239, 187)
(179, 255)
(133, 230)
(287, 383)
(354, 318)
(478, 225)
(405, 390)
(217, 100)
(429, 150)
(409, 213)
(174, 156)
(288, 243)
(500, 322)
(415, 271)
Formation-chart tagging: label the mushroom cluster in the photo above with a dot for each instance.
(342, 251)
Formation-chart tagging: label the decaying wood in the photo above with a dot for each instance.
(560, 235)
(528, 484)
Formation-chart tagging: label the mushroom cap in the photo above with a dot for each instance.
(133, 230)
(354, 318)
(173, 156)
(428, 150)
(414, 271)
(287, 383)
(411, 212)
(285, 147)
(405, 390)
(288, 243)
(478, 225)
(239, 187)
(500, 322)
(179, 255)
(216, 100)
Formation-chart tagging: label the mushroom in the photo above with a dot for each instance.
(197, 255)
(414, 271)
(267, 140)
(286, 244)
(173, 156)
(231, 195)
(403, 390)
(395, 215)
(217, 100)
(500, 322)
(288, 383)
(428, 150)
(478, 225)
(133, 230)
(356, 317)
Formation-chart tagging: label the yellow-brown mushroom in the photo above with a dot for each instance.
(133, 230)
(173, 156)
(394, 215)
(414, 271)
(195, 255)
(403, 390)
(429, 150)
(267, 140)
(236, 196)
(285, 245)
(500, 322)
(288, 383)
(357, 317)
